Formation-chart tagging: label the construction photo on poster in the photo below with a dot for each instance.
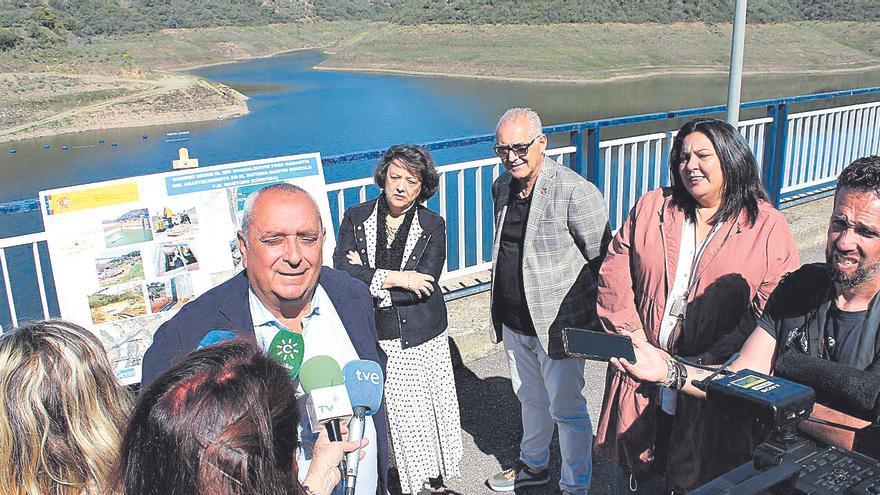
(127, 254)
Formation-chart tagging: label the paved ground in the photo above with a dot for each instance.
(490, 413)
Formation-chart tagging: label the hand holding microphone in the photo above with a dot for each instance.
(324, 473)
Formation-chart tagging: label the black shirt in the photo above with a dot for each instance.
(842, 335)
(801, 316)
(509, 300)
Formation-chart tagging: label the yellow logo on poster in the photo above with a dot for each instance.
(85, 199)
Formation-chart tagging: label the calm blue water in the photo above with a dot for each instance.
(295, 109)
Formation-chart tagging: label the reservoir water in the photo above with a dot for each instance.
(296, 109)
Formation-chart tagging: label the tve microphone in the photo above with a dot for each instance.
(215, 336)
(328, 402)
(364, 381)
(287, 350)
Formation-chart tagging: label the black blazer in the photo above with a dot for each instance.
(226, 307)
(419, 320)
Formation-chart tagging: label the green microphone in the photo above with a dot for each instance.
(287, 349)
(321, 378)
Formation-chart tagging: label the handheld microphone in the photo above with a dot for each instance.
(364, 381)
(215, 336)
(321, 379)
(287, 350)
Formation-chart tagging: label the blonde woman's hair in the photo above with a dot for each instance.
(62, 411)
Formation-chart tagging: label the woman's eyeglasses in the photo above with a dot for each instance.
(520, 149)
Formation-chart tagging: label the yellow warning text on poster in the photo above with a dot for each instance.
(95, 197)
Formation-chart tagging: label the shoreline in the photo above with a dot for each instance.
(139, 109)
(613, 78)
(189, 68)
(168, 102)
(74, 129)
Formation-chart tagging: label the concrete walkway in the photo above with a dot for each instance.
(490, 411)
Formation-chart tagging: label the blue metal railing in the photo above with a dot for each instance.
(800, 155)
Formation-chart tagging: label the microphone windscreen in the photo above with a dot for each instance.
(364, 381)
(320, 372)
(287, 349)
(215, 336)
(843, 388)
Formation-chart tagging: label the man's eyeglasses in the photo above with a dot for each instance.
(520, 149)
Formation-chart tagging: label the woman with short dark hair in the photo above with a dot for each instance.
(397, 247)
(223, 421)
(690, 270)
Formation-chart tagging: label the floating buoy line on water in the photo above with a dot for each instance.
(170, 137)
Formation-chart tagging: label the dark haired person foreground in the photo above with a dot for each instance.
(284, 286)
(828, 312)
(689, 270)
(397, 246)
(223, 421)
(62, 411)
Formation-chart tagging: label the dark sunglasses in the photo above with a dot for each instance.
(520, 149)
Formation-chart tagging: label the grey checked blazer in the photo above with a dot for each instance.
(567, 235)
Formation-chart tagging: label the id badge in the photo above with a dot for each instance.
(678, 306)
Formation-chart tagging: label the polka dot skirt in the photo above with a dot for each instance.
(422, 411)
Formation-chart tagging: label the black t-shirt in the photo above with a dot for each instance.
(842, 332)
(801, 316)
(509, 300)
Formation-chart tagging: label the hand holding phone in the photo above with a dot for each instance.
(597, 346)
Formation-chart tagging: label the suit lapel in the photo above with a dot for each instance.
(238, 314)
(370, 226)
(351, 320)
(415, 243)
(670, 232)
(540, 197)
(501, 197)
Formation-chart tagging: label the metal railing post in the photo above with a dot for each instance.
(594, 170)
(578, 163)
(775, 139)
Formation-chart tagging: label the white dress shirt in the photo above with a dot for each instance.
(323, 334)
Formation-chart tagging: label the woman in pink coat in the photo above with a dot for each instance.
(690, 270)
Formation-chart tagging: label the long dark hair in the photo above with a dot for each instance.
(742, 184)
(222, 421)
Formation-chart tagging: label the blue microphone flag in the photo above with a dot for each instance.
(215, 336)
(365, 383)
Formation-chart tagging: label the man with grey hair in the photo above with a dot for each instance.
(284, 288)
(551, 234)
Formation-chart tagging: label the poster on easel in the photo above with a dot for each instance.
(127, 254)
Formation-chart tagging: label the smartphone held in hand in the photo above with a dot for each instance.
(597, 346)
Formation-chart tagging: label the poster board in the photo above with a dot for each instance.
(127, 254)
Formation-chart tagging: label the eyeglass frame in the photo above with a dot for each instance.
(507, 148)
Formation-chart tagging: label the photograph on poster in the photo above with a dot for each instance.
(237, 197)
(129, 228)
(118, 302)
(127, 340)
(169, 294)
(175, 256)
(174, 222)
(236, 253)
(119, 269)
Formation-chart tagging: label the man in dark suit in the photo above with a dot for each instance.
(284, 285)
